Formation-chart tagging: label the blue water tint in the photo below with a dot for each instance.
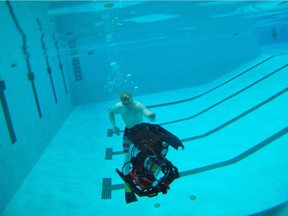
(162, 46)
(214, 72)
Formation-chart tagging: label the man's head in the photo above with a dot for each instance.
(126, 98)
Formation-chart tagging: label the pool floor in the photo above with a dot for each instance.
(234, 162)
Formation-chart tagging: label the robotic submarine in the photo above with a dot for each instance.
(149, 172)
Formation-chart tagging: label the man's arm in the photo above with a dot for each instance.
(112, 111)
(147, 113)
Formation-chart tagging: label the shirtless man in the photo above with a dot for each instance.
(132, 113)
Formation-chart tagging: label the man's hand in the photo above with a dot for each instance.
(152, 116)
(116, 130)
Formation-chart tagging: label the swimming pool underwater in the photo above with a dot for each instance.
(234, 130)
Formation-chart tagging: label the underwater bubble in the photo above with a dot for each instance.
(114, 65)
(136, 87)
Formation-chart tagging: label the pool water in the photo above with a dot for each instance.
(215, 73)
(233, 163)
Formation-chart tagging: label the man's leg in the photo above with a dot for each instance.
(129, 194)
(127, 157)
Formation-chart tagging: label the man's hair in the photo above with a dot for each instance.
(125, 96)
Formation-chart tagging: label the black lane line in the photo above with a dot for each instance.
(107, 190)
(60, 64)
(238, 157)
(30, 74)
(6, 112)
(216, 87)
(227, 98)
(275, 210)
(237, 117)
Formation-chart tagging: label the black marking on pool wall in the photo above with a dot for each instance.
(75, 60)
(27, 57)
(227, 98)
(6, 112)
(60, 64)
(49, 70)
(214, 88)
(52, 84)
(249, 152)
(31, 78)
(77, 69)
